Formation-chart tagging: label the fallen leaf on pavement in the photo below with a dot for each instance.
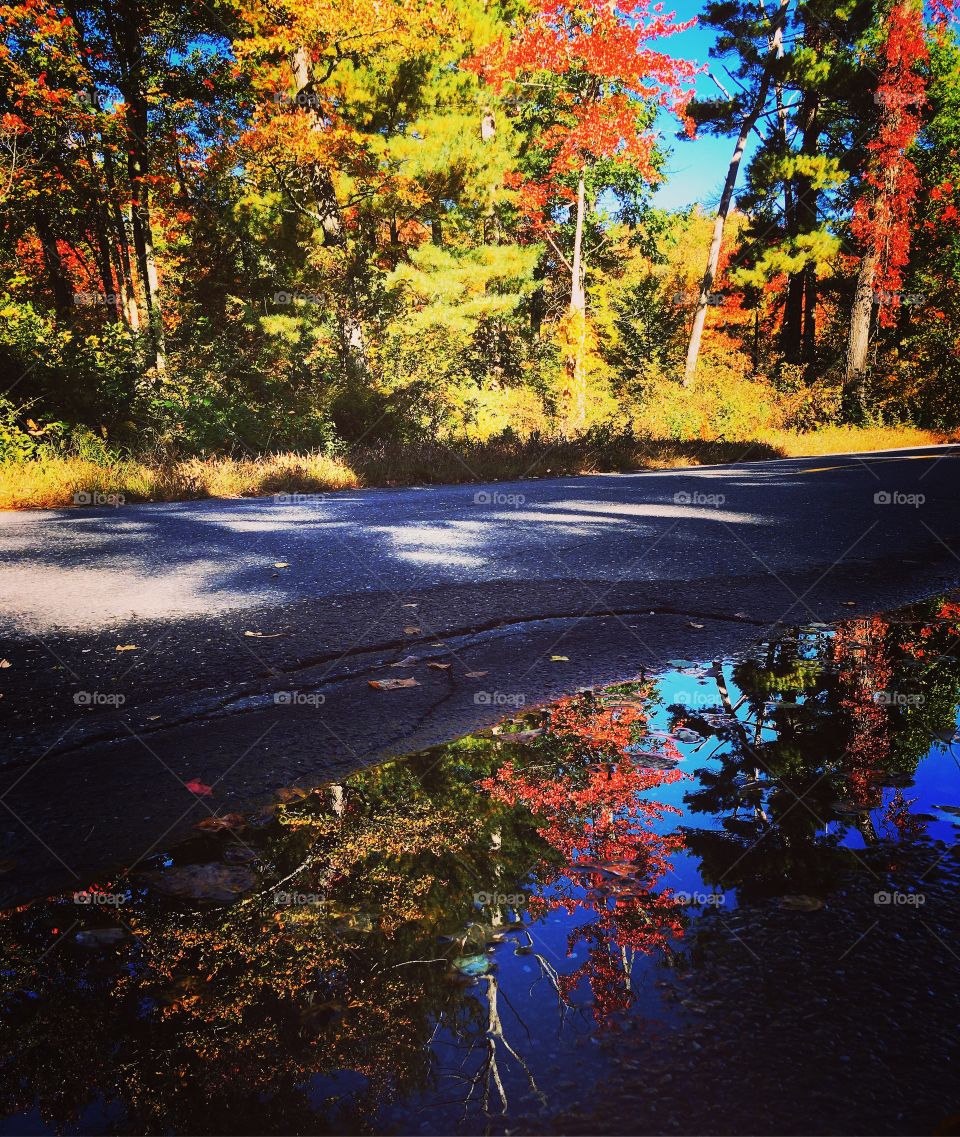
(407, 661)
(476, 674)
(559, 658)
(691, 624)
(281, 564)
(411, 630)
(391, 684)
(5, 663)
(199, 788)
(264, 635)
(126, 647)
(439, 666)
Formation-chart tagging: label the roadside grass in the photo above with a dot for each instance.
(53, 483)
(859, 439)
(60, 482)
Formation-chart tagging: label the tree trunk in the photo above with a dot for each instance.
(143, 247)
(127, 37)
(791, 335)
(103, 252)
(324, 193)
(810, 315)
(56, 273)
(114, 224)
(578, 315)
(328, 212)
(726, 198)
(130, 306)
(799, 318)
(858, 340)
(578, 296)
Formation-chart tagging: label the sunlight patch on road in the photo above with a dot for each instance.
(89, 596)
(693, 512)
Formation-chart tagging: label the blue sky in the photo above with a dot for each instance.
(695, 169)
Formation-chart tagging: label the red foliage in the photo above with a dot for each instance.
(593, 811)
(898, 819)
(946, 195)
(601, 53)
(860, 652)
(882, 215)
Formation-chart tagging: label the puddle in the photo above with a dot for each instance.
(719, 899)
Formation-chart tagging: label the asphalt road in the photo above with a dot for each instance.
(231, 642)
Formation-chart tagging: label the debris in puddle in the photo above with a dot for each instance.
(213, 881)
(232, 821)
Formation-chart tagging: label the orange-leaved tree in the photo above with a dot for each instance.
(585, 82)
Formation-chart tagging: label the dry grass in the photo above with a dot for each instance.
(59, 482)
(62, 482)
(839, 439)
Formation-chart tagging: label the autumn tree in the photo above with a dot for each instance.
(745, 106)
(927, 330)
(586, 79)
(883, 211)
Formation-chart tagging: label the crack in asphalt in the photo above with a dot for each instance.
(248, 698)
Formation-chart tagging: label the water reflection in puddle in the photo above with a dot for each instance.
(603, 893)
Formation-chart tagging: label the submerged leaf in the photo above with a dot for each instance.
(801, 903)
(100, 937)
(472, 965)
(215, 824)
(204, 882)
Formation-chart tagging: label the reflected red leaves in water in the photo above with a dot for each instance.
(861, 654)
(589, 799)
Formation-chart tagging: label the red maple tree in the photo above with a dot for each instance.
(882, 215)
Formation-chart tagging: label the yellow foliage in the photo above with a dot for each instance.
(497, 409)
(584, 396)
(721, 405)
